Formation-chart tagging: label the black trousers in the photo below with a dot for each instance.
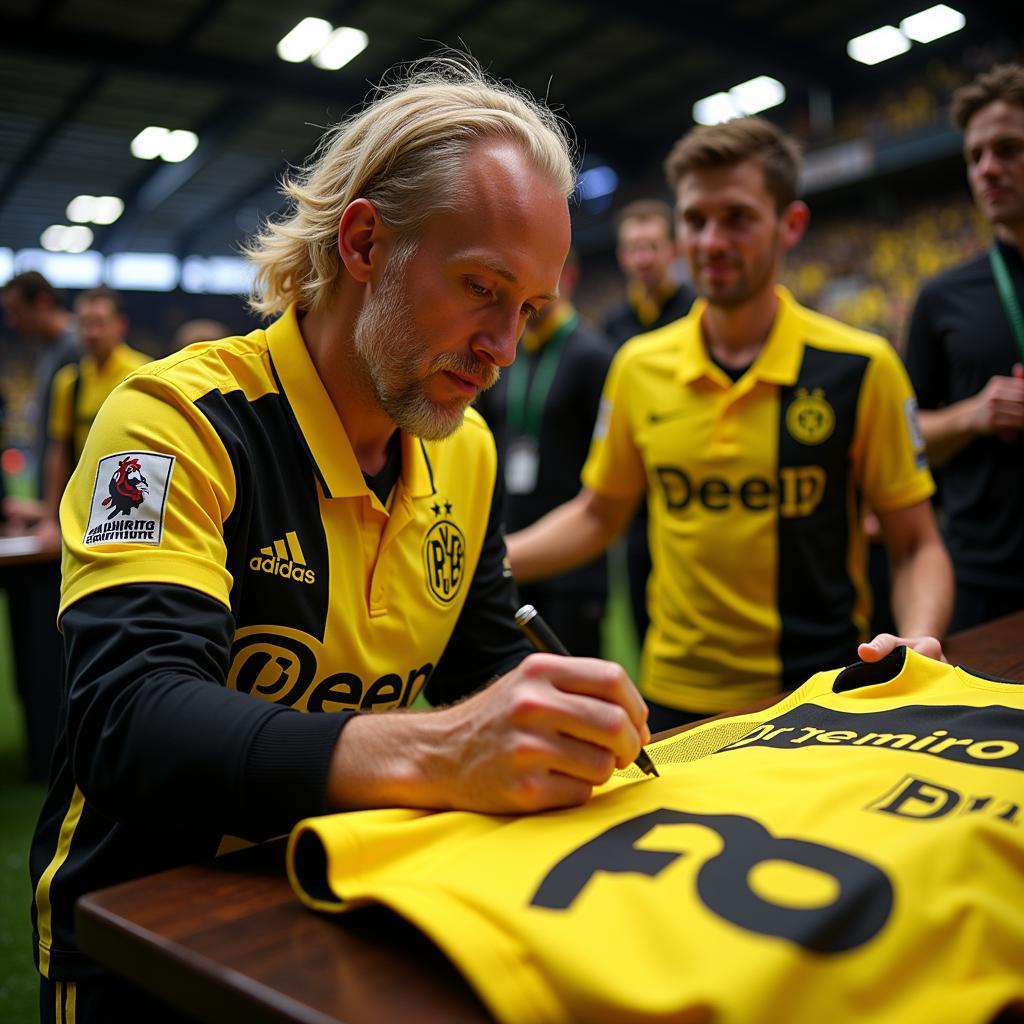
(33, 596)
(104, 999)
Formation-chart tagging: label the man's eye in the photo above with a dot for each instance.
(477, 289)
(530, 312)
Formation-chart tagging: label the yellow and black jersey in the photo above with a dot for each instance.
(852, 853)
(754, 490)
(79, 389)
(221, 544)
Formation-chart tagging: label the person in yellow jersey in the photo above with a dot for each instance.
(307, 519)
(79, 389)
(757, 427)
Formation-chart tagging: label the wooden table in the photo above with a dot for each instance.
(229, 941)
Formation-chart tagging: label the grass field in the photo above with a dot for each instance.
(19, 805)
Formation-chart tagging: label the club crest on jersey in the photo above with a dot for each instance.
(444, 555)
(809, 418)
(129, 496)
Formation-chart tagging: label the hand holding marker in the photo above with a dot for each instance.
(541, 635)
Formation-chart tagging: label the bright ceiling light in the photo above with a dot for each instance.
(80, 209)
(52, 239)
(95, 209)
(881, 44)
(179, 145)
(932, 24)
(65, 238)
(77, 238)
(149, 142)
(758, 94)
(154, 141)
(304, 40)
(106, 209)
(715, 109)
(343, 45)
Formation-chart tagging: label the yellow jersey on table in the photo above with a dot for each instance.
(854, 853)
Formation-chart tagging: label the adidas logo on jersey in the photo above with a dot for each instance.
(284, 558)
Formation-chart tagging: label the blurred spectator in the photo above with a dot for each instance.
(965, 354)
(80, 389)
(192, 331)
(542, 413)
(646, 250)
(34, 311)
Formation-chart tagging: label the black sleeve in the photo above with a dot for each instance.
(923, 354)
(486, 641)
(154, 735)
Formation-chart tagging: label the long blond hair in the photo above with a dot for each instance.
(403, 151)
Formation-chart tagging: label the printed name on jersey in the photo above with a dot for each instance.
(964, 734)
(129, 498)
(797, 492)
(809, 418)
(444, 555)
(284, 558)
(917, 799)
(284, 670)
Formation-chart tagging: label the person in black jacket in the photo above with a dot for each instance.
(542, 412)
(965, 356)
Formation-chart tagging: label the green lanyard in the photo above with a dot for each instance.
(525, 404)
(1008, 295)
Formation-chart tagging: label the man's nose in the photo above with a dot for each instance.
(496, 344)
(988, 164)
(713, 237)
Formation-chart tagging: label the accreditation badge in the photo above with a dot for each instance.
(521, 465)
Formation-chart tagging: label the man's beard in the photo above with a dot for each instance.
(391, 349)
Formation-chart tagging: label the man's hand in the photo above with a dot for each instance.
(540, 737)
(886, 643)
(999, 406)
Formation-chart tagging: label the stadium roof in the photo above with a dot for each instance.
(79, 79)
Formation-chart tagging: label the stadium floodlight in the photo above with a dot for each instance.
(934, 23)
(106, 209)
(758, 94)
(94, 209)
(881, 44)
(149, 142)
(307, 38)
(66, 238)
(342, 46)
(145, 271)
(80, 209)
(179, 145)
(715, 109)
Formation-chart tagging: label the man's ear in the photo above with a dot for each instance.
(794, 221)
(363, 240)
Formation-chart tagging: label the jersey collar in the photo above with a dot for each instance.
(777, 363)
(319, 426)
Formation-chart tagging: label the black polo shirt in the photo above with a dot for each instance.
(959, 338)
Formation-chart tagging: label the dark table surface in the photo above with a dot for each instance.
(229, 940)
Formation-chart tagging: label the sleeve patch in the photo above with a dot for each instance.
(129, 497)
